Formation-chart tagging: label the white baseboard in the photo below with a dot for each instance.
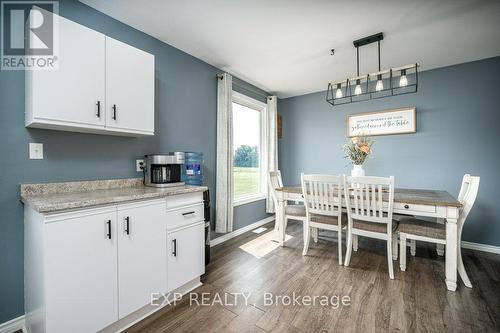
(13, 325)
(240, 231)
(481, 247)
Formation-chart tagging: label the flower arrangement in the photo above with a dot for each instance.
(357, 149)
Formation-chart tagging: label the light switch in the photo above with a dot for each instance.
(36, 151)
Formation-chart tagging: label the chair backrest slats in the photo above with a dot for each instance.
(322, 194)
(467, 196)
(274, 180)
(370, 198)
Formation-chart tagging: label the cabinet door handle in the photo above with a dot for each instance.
(98, 114)
(114, 112)
(127, 225)
(188, 213)
(109, 229)
(407, 207)
(174, 246)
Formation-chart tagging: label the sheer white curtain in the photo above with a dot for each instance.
(224, 182)
(272, 145)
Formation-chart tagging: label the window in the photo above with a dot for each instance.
(248, 148)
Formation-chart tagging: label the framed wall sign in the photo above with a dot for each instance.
(388, 122)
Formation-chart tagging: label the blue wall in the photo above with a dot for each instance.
(186, 102)
(458, 113)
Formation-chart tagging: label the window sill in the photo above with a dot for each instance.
(248, 199)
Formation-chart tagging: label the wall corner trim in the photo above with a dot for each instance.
(240, 231)
(481, 247)
(13, 325)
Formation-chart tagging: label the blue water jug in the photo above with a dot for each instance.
(193, 168)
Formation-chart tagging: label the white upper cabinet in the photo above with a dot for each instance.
(101, 86)
(129, 88)
(69, 96)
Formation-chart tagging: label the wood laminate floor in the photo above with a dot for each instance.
(415, 301)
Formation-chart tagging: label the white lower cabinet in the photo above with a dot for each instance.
(186, 255)
(142, 255)
(80, 271)
(88, 269)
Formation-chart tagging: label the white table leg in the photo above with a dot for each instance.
(276, 218)
(395, 246)
(451, 254)
(315, 234)
(402, 251)
(440, 247)
(282, 229)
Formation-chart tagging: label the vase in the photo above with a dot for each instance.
(357, 170)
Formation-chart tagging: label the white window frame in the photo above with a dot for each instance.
(262, 108)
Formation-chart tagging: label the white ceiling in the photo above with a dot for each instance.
(282, 46)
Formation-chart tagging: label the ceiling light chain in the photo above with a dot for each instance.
(372, 86)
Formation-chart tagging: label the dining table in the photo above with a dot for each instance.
(414, 202)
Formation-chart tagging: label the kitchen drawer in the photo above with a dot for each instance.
(185, 215)
(411, 208)
(182, 200)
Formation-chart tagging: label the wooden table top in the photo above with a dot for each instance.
(405, 195)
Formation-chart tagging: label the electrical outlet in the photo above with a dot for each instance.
(139, 165)
(36, 151)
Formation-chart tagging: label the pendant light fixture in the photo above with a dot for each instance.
(403, 80)
(384, 83)
(358, 90)
(338, 92)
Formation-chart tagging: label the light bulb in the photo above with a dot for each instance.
(338, 92)
(403, 81)
(380, 84)
(357, 90)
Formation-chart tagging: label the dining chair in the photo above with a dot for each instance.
(292, 212)
(370, 205)
(428, 231)
(323, 203)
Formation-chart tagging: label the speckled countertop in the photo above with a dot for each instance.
(52, 197)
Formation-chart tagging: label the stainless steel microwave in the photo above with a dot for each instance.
(164, 170)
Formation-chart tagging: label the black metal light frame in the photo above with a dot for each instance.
(371, 79)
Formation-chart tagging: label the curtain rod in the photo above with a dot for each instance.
(219, 76)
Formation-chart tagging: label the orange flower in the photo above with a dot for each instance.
(365, 149)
